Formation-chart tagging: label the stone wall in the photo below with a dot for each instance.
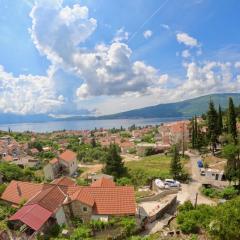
(77, 209)
(159, 195)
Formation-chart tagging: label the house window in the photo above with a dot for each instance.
(85, 209)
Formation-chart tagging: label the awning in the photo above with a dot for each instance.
(33, 216)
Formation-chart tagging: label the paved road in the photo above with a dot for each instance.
(190, 190)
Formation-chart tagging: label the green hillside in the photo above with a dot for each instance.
(185, 108)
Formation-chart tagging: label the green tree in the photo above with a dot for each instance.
(220, 121)
(232, 125)
(93, 142)
(114, 164)
(212, 119)
(231, 153)
(193, 133)
(176, 166)
(225, 224)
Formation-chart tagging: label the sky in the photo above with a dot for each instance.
(97, 57)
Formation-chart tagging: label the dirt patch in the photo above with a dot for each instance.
(90, 169)
(215, 162)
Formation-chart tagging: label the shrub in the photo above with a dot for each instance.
(124, 181)
(81, 233)
(54, 230)
(2, 188)
(128, 224)
(228, 193)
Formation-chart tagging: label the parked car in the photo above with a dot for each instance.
(202, 172)
(200, 163)
(172, 183)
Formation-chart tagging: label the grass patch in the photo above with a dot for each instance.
(143, 171)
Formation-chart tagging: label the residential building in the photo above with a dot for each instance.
(62, 200)
(64, 164)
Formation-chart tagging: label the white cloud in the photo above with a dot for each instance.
(186, 53)
(121, 35)
(57, 30)
(165, 26)
(237, 65)
(147, 34)
(186, 39)
(104, 70)
(27, 93)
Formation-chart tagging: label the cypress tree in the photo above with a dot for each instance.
(220, 121)
(196, 131)
(232, 125)
(114, 164)
(212, 119)
(176, 166)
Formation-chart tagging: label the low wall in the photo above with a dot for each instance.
(159, 195)
(168, 208)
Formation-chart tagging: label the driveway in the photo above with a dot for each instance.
(189, 191)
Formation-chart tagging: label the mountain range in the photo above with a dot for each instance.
(185, 109)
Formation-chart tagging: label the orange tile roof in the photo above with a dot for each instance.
(84, 196)
(114, 201)
(103, 182)
(17, 191)
(64, 181)
(105, 199)
(68, 156)
(50, 198)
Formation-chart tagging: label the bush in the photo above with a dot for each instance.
(189, 226)
(228, 193)
(192, 219)
(2, 188)
(128, 224)
(81, 233)
(124, 181)
(210, 192)
(54, 230)
(82, 182)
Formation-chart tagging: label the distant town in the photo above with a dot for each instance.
(167, 181)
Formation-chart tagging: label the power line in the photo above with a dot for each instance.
(147, 20)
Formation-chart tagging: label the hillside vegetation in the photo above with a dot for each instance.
(187, 108)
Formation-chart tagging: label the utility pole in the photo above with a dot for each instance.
(196, 198)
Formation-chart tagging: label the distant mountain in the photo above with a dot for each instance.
(9, 118)
(187, 108)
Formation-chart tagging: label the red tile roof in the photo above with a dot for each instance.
(103, 196)
(103, 182)
(18, 191)
(32, 215)
(68, 156)
(51, 198)
(64, 181)
(84, 196)
(114, 201)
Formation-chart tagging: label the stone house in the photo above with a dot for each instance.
(64, 164)
(62, 200)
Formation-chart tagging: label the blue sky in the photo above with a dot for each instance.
(102, 56)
